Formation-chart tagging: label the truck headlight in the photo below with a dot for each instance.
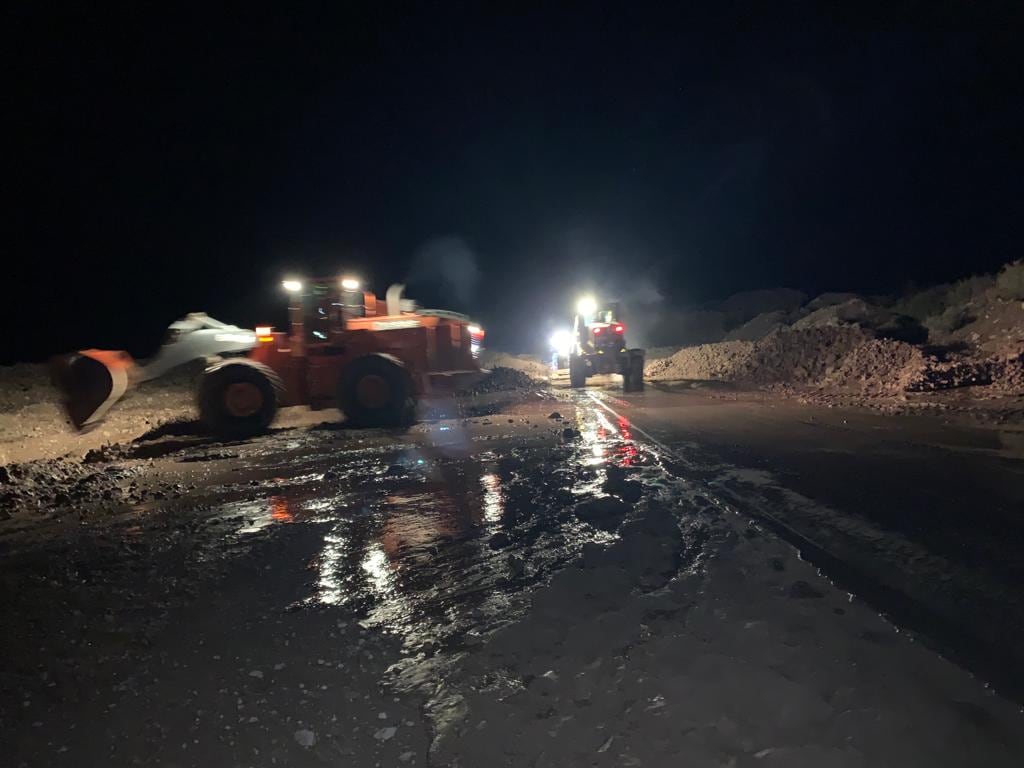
(561, 343)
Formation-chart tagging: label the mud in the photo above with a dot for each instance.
(543, 585)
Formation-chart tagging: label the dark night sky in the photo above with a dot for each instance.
(167, 163)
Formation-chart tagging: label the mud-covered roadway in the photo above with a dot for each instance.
(522, 579)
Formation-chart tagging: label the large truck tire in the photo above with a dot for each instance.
(577, 372)
(633, 371)
(376, 391)
(238, 398)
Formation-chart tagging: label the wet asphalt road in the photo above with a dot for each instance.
(922, 518)
(310, 596)
(223, 623)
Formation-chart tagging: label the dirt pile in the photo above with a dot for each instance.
(502, 379)
(853, 311)
(799, 356)
(879, 366)
(990, 324)
(38, 485)
(533, 366)
(1008, 374)
(984, 313)
(786, 356)
(843, 359)
(719, 362)
(965, 334)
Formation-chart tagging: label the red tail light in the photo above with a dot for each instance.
(597, 331)
(620, 328)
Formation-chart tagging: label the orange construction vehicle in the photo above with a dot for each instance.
(345, 348)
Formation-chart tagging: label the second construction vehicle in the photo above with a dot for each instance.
(599, 346)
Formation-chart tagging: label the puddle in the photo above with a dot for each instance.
(441, 541)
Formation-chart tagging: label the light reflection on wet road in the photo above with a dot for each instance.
(448, 535)
(418, 544)
(917, 516)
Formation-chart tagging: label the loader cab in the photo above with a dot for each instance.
(599, 329)
(319, 310)
(313, 313)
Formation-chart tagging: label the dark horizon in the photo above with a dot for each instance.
(167, 163)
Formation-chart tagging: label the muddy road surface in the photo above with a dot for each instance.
(544, 578)
(921, 515)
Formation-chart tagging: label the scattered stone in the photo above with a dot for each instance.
(517, 565)
(629, 491)
(605, 512)
(305, 738)
(499, 540)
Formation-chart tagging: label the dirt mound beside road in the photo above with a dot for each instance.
(800, 356)
(843, 359)
(967, 335)
(785, 356)
(502, 379)
(533, 366)
(880, 366)
(720, 362)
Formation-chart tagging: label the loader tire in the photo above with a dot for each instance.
(633, 376)
(375, 391)
(577, 372)
(238, 398)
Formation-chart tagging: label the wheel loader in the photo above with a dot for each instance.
(344, 348)
(599, 346)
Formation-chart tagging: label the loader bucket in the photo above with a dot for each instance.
(90, 381)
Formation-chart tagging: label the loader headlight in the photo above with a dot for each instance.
(586, 306)
(292, 286)
(349, 284)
